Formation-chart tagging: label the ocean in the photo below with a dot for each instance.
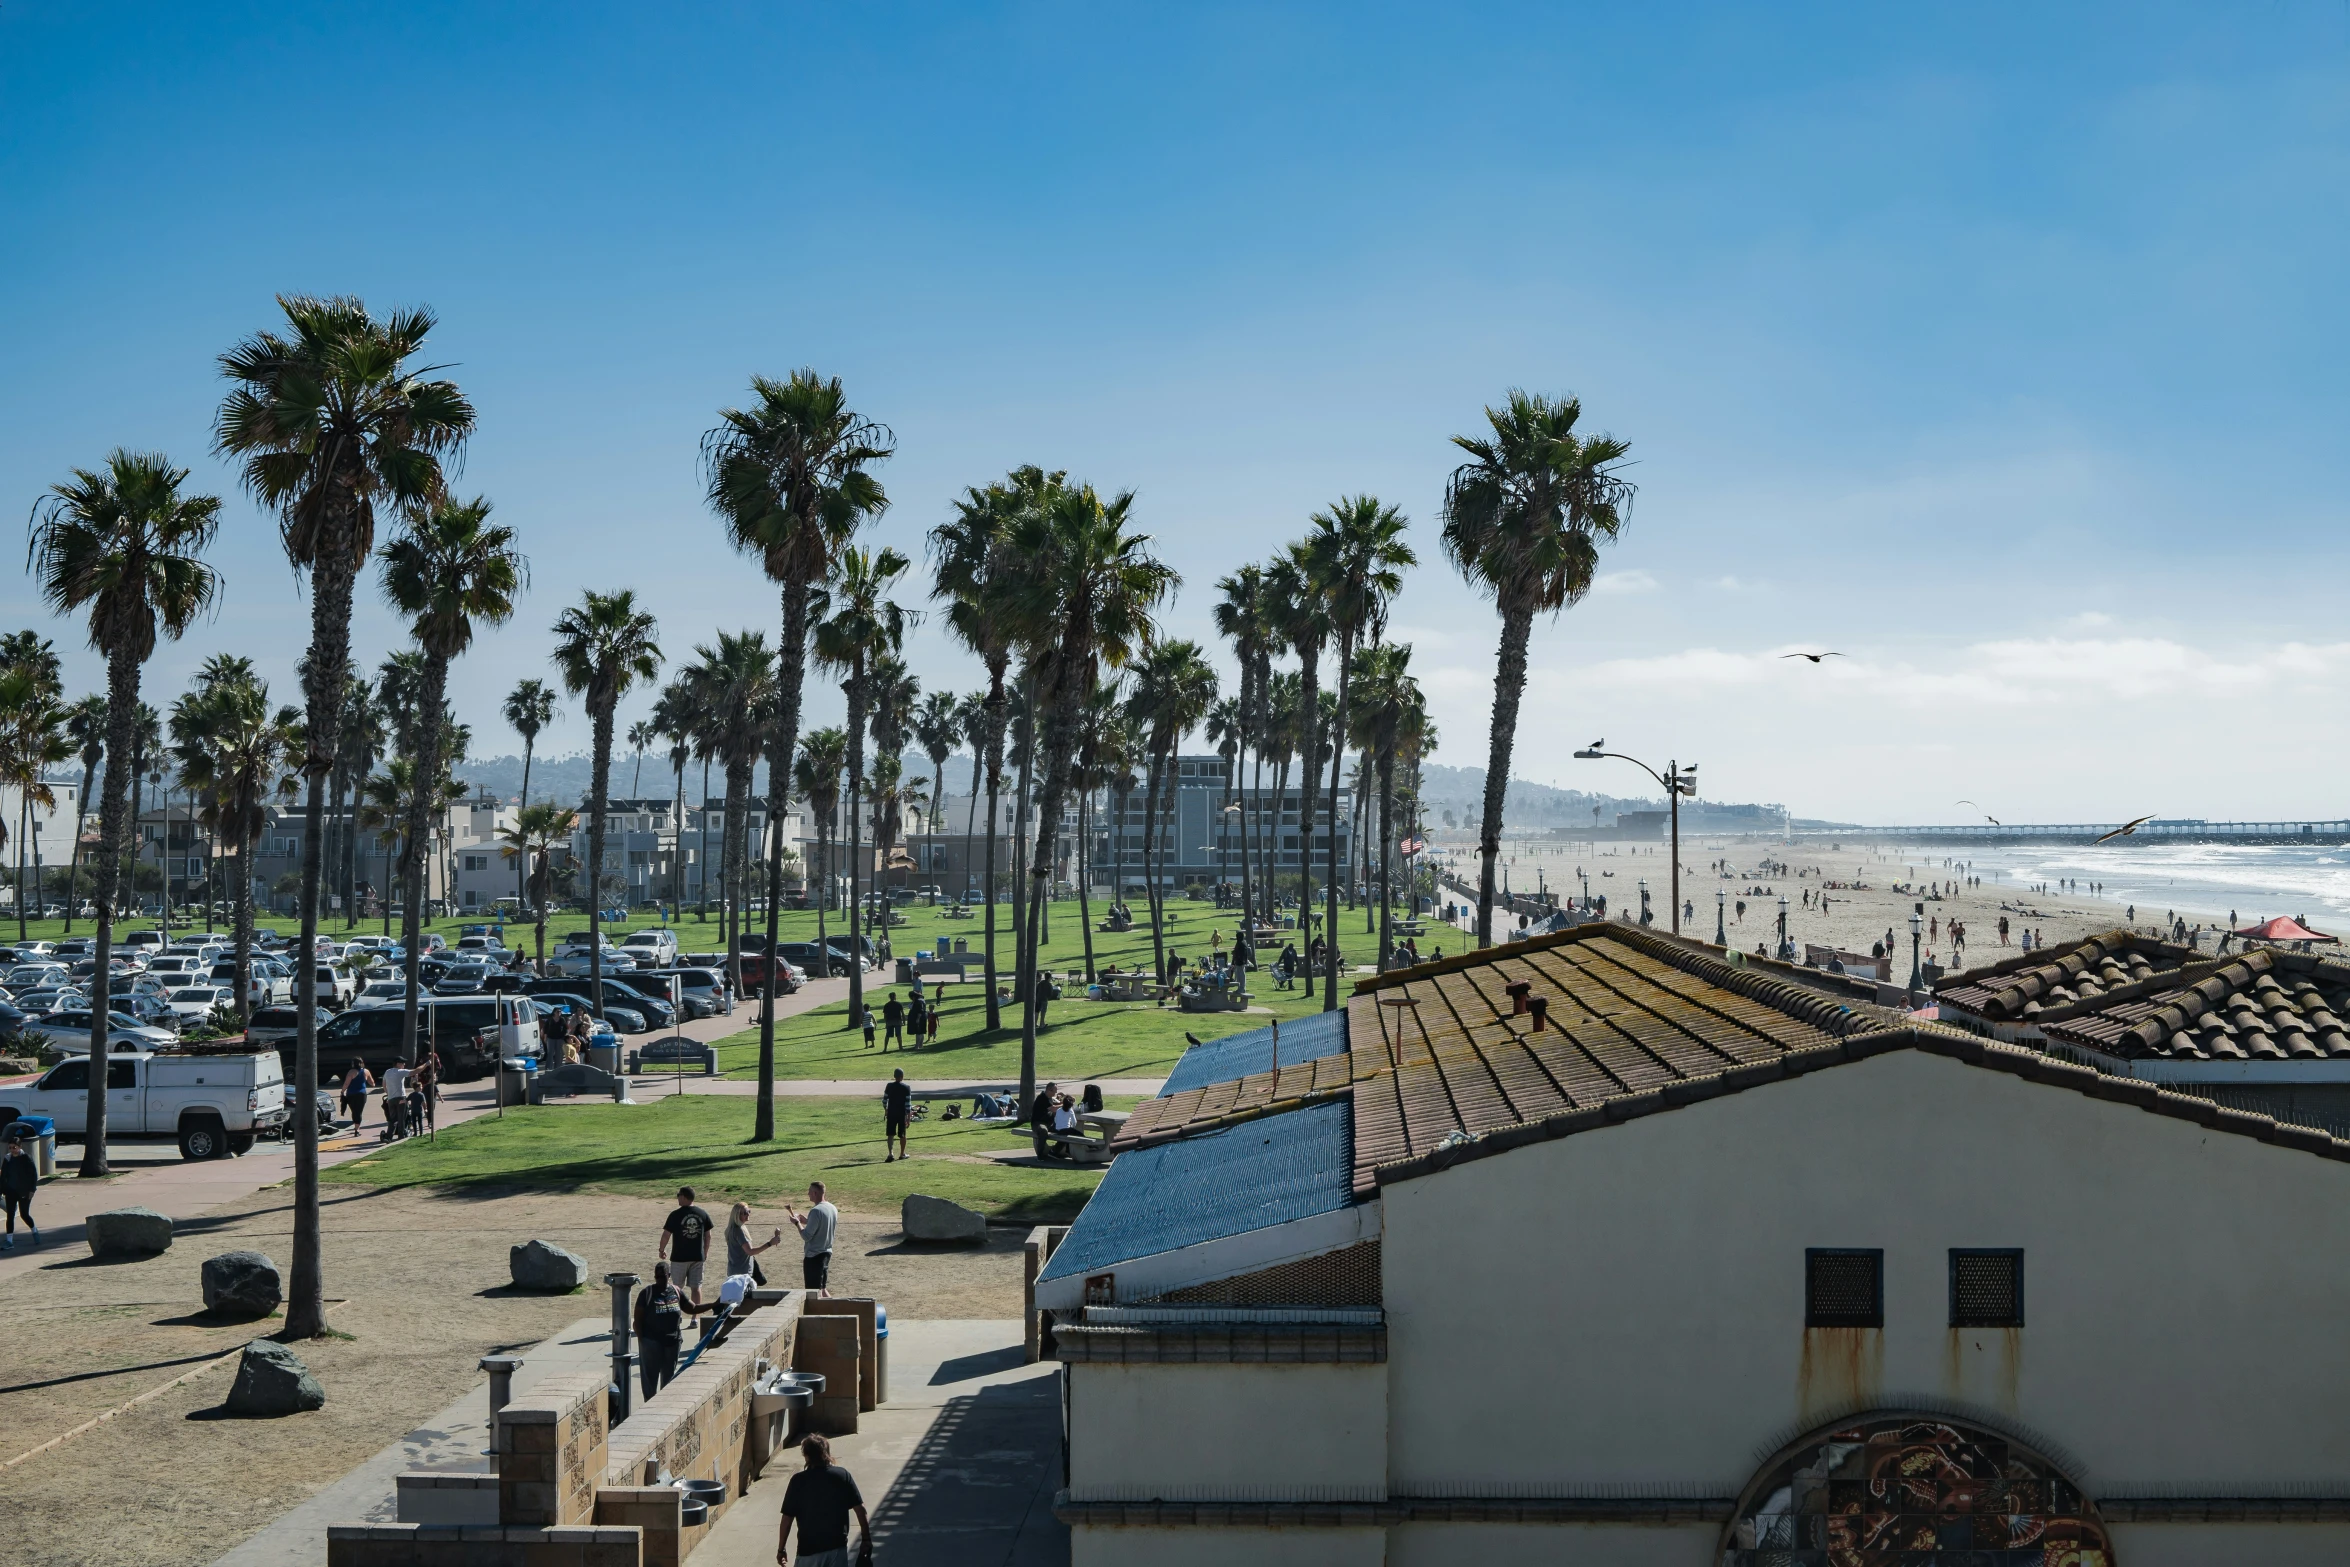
(2199, 880)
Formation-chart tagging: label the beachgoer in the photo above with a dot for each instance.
(816, 1228)
(685, 1235)
(1040, 1119)
(897, 1109)
(893, 1015)
(917, 1020)
(869, 1025)
(937, 1011)
(20, 1179)
(425, 1087)
(741, 1255)
(659, 1320)
(820, 1499)
(395, 1087)
(356, 1082)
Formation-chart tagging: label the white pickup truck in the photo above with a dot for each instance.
(214, 1102)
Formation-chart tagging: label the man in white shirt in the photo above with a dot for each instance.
(816, 1228)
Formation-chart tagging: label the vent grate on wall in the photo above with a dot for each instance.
(1986, 1288)
(1843, 1288)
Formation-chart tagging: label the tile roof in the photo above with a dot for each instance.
(1233, 1100)
(2138, 999)
(1212, 1185)
(1246, 1054)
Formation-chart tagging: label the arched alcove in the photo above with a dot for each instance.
(1893, 1488)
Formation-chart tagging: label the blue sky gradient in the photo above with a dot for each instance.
(1999, 347)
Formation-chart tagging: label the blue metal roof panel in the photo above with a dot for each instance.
(1248, 1177)
(1242, 1055)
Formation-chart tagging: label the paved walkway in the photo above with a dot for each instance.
(652, 1085)
(958, 1468)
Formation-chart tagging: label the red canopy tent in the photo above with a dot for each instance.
(2283, 929)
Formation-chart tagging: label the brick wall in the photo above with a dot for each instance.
(831, 1347)
(448, 1545)
(551, 1451)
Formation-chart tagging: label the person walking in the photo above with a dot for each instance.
(869, 1025)
(425, 1087)
(893, 1018)
(20, 1179)
(356, 1083)
(897, 1108)
(741, 1256)
(816, 1228)
(661, 1310)
(917, 1019)
(685, 1237)
(820, 1499)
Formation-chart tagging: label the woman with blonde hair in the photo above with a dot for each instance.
(741, 1255)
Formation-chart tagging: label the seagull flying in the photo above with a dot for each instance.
(2127, 828)
(1814, 657)
(1987, 816)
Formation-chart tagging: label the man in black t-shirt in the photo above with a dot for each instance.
(685, 1234)
(897, 1108)
(820, 1498)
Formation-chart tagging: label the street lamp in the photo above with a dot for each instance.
(1645, 916)
(1721, 905)
(1786, 947)
(1917, 929)
(1676, 781)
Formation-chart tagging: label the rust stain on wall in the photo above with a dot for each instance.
(1984, 1364)
(1841, 1367)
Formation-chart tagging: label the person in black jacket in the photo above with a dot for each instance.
(661, 1310)
(19, 1180)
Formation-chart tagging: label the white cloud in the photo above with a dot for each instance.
(1624, 582)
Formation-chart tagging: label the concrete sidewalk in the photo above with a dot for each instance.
(652, 1085)
(959, 1467)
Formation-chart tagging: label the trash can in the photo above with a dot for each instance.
(942, 949)
(904, 971)
(607, 1057)
(880, 1353)
(42, 1130)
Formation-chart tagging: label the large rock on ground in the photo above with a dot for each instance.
(271, 1380)
(536, 1265)
(242, 1283)
(936, 1219)
(128, 1232)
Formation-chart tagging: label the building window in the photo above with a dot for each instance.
(1986, 1288)
(1843, 1287)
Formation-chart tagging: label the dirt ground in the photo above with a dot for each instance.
(421, 1278)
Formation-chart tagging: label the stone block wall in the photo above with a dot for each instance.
(868, 1343)
(448, 1545)
(551, 1451)
(831, 1347)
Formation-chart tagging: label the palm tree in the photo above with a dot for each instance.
(529, 708)
(127, 545)
(642, 737)
(938, 730)
(792, 478)
(816, 776)
(331, 422)
(146, 741)
(380, 805)
(85, 726)
(32, 740)
(1357, 556)
(1241, 619)
(733, 688)
(359, 742)
(975, 721)
(1284, 721)
(236, 752)
(895, 695)
(673, 721)
(1225, 729)
(857, 624)
(1172, 692)
(604, 647)
(1105, 742)
(449, 569)
(1301, 614)
(1389, 718)
(530, 844)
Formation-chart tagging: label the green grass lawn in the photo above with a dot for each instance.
(651, 1149)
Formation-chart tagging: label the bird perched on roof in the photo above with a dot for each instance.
(2127, 828)
(1814, 657)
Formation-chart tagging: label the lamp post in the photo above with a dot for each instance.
(1917, 929)
(1676, 781)
(1786, 947)
(1645, 916)
(1721, 929)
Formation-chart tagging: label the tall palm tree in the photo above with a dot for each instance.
(733, 688)
(975, 721)
(125, 544)
(1389, 718)
(642, 737)
(331, 422)
(792, 478)
(1105, 754)
(858, 624)
(85, 726)
(449, 569)
(937, 729)
(604, 648)
(1524, 518)
(673, 721)
(146, 745)
(1284, 722)
(530, 843)
(895, 695)
(1224, 730)
(529, 708)
(816, 778)
(359, 742)
(1173, 690)
(1241, 619)
(380, 805)
(235, 753)
(32, 740)
(1356, 555)
(1301, 613)
(970, 557)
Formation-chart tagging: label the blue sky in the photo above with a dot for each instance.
(1997, 348)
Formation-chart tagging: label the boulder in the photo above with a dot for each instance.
(936, 1219)
(242, 1283)
(539, 1266)
(128, 1232)
(271, 1380)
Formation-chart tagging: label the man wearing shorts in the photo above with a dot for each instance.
(897, 1108)
(815, 1227)
(685, 1234)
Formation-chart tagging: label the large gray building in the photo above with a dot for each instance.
(1200, 841)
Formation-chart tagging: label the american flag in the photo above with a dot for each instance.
(1412, 845)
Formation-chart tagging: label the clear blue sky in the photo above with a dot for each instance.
(1999, 347)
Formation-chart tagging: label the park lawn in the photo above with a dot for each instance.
(702, 1141)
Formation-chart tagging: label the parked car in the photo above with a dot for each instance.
(651, 948)
(50, 998)
(788, 977)
(382, 993)
(702, 991)
(463, 979)
(213, 1103)
(35, 976)
(280, 1025)
(571, 960)
(177, 968)
(485, 946)
(77, 947)
(624, 1019)
(149, 1007)
(267, 988)
(336, 984)
(69, 1031)
(806, 956)
(144, 941)
(468, 1031)
(845, 948)
(197, 1003)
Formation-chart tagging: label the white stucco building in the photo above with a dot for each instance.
(1596, 1248)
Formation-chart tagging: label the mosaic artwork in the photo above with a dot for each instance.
(1907, 1491)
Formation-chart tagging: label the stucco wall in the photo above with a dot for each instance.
(1624, 1307)
(1227, 1433)
(1548, 1545)
(2214, 1545)
(1095, 1547)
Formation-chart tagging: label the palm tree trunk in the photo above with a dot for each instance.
(122, 702)
(599, 790)
(702, 863)
(1084, 891)
(738, 796)
(242, 900)
(520, 860)
(970, 825)
(1150, 855)
(1310, 725)
(1386, 856)
(995, 783)
(855, 789)
(1054, 735)
(1346, 648)
(1019, 888)
(1509, 686)
(421, 799)
(73, 864)
(677, 847)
